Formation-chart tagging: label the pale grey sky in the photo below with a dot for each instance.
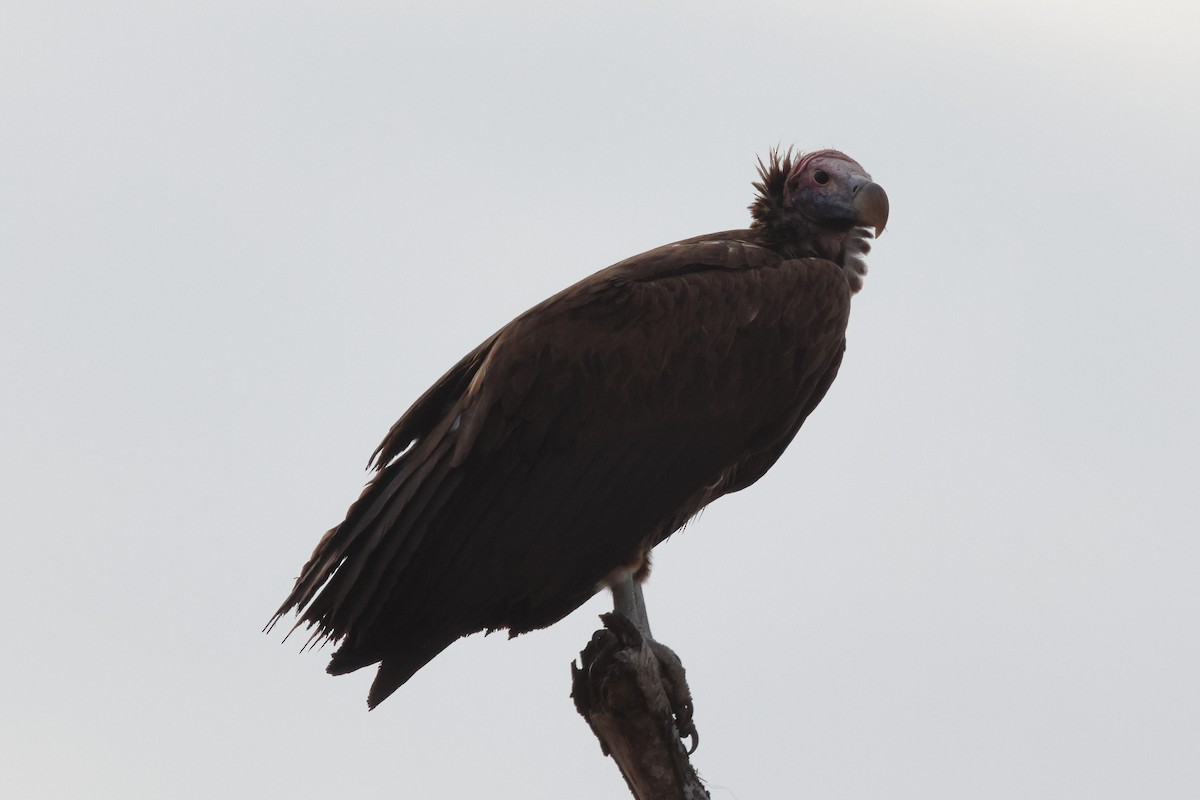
(238, 240)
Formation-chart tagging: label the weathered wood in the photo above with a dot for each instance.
(637, 711)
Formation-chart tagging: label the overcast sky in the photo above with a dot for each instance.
(238, 239)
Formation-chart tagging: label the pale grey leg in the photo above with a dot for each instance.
(629, 602)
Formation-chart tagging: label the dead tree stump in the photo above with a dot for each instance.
(620, 689)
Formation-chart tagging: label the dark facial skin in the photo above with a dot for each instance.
(834, 191)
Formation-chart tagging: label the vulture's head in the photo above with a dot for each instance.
(820, 204)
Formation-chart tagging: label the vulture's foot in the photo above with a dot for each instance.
(678, 693)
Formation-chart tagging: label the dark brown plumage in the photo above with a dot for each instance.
(549, 460)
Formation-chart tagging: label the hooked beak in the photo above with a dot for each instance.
(870, 204)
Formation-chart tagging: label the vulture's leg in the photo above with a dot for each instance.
(629, 602)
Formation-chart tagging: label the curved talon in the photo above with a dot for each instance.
(678, 693)
(687, 726)
(688, 731)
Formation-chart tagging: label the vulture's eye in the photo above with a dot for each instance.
(821, 177)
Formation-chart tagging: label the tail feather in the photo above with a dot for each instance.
(394, 670)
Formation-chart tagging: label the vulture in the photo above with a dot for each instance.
(546, 464)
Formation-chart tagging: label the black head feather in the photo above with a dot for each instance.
(772, 184)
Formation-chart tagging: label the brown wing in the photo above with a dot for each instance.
(583, 432)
